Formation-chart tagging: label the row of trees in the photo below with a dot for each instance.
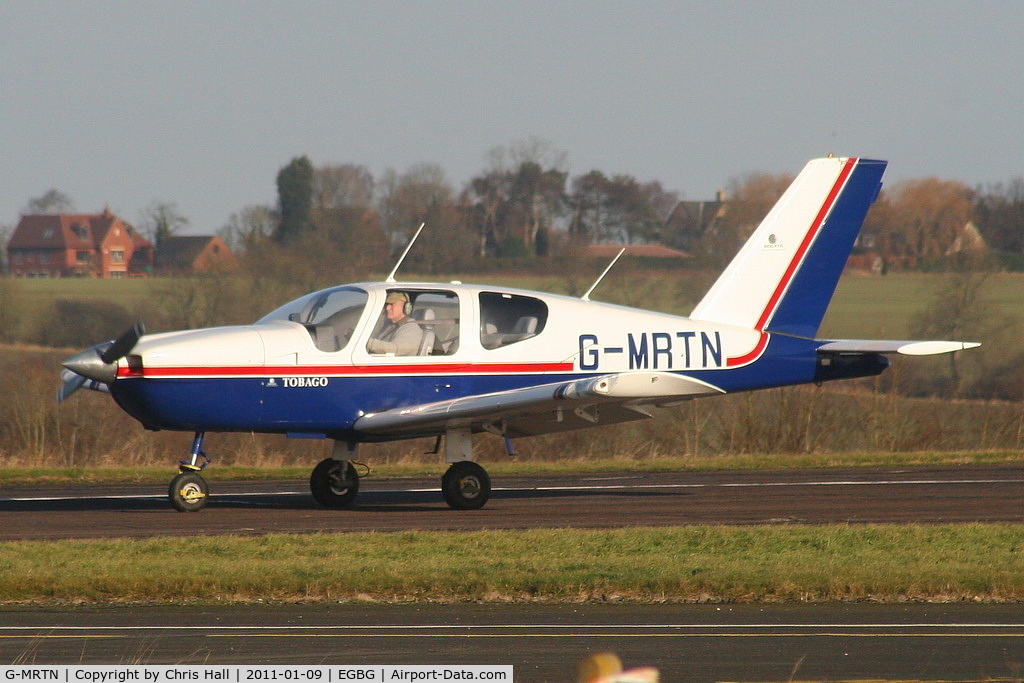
(524, 204)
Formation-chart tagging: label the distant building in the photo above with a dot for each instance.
(691, 221)
(77, 245)
(194, 254)
(868, 253)
(968, 239)
(640, 251)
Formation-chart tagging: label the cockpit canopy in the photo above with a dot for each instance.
(331, 316)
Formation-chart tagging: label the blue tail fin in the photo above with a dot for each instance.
(784, 276)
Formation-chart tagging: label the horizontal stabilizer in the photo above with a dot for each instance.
(906, 348)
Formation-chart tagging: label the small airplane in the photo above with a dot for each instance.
(383, 361)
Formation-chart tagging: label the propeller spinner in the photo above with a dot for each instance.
(97, 363)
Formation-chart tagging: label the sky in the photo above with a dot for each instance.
(200, 104)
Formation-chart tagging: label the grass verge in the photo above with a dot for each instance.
(30, 476)
(885, 563)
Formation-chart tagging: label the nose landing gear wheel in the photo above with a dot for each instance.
(188, 492)
(334, 483)
(466, 486)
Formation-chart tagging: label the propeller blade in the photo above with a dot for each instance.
(123, 344)
(71, 382)
(96, 366)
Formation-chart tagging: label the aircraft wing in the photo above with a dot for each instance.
(906, 348)
(554, 407)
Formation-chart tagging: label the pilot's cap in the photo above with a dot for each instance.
(397, 296)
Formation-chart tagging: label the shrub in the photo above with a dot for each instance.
(73, 323)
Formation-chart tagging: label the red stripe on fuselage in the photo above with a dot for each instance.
(345, 370)
(762, 343)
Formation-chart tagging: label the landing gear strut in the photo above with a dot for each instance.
(188, 491)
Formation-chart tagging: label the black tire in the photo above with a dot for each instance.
(188, 492)
(334, 483)
(466, 486)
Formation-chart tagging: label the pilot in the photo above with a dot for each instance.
(400, 335)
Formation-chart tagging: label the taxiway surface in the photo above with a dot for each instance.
(591, 501)
(542, 642)
(856, 495)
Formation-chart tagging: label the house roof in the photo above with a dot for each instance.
(695, 217)
(68, 231)
(636, 250)
(179, 252)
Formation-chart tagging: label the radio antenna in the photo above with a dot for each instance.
(391, 277)
(586, 297)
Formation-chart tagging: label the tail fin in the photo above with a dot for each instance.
(783, 278)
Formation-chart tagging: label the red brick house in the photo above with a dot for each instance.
(78, 245)
(194, 254)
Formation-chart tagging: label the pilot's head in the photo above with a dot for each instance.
(396, 306)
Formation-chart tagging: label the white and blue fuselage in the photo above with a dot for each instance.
(272, 376)
(389, 360)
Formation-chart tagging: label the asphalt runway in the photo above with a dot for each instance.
(543, 642)
(856, 495)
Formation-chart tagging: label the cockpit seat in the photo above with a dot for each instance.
(424, 317)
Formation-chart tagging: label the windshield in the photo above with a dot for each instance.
(314, 308)
(329, 315)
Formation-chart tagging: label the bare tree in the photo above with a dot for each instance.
(406, 198)
(529, 150)
(51, 201)
(484, 200)
(343, 185)
(161, 220)
(249, 227)
(589, 204)
(925, 217)
(959, 310)
(537, 196)
(999, 213)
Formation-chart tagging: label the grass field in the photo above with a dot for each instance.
(881, 563)
(863, 306)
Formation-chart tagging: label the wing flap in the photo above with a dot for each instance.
(559, 406)
(906, 348)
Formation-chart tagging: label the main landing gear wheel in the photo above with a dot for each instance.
(466, 486)
(334, 483)
(188, 492)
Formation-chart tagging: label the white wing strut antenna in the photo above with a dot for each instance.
(391, 277)
(586, 297)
